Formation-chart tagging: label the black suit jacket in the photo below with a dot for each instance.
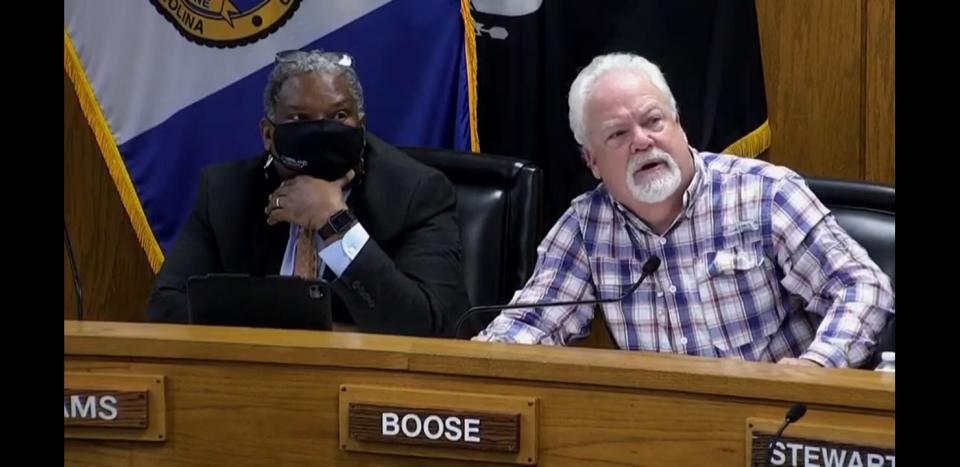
(407, 279)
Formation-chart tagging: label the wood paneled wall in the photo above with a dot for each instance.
(829, 73)
(114, 271)
(829, 67)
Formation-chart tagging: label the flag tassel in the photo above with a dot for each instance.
(111, 154)
(470, 50)
(754, 143)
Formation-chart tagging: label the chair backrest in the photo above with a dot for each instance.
(867, 212)
(499, 206)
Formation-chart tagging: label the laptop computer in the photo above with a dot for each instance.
(259, 301)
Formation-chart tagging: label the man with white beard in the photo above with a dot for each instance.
(753, 266)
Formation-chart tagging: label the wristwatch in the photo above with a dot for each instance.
(338, 223)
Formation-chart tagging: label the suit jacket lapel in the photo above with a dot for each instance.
(269, 242)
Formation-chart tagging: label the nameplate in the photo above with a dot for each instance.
(438, 424)
(113, 406)
(105, 408)
(435, 427)
(813, 445)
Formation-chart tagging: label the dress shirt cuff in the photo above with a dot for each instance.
(339, 254)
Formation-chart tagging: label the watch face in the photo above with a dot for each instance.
(340, 220)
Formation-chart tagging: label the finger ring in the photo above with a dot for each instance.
(276, 201)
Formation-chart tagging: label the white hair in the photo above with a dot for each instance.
(601, 65)
(314, 61)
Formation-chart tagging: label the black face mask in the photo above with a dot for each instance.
(325, 149)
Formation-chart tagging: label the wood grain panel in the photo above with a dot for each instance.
(114, 271)
(880, 142)
(866, 390)
(812, 58)
(244, 414)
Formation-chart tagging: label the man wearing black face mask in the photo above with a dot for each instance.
(327, 200)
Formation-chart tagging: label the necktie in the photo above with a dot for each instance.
(305, 265)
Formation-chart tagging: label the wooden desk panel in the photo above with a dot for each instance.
(254, 397)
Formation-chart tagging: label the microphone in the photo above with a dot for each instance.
(795, 413)
(76, 274)
(649, 266)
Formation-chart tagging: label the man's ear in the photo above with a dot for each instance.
(591, 161)
(266, 133)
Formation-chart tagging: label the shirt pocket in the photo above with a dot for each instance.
(739, 296)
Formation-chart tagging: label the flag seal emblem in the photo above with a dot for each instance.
(221, 23)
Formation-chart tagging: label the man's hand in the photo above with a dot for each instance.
(798, 362)
(307, 201)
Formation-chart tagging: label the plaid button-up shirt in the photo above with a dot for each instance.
(755, 267)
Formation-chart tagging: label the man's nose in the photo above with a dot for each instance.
(641, 140)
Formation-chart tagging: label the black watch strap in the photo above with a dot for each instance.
(338, 223)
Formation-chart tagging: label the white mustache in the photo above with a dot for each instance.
(655, 187)
(653, 155)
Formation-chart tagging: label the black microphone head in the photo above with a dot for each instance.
(651, 265)
(796, 412)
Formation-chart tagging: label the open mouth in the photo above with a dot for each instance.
(652, 165)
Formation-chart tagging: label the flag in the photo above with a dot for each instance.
(529, 52)
(170, 86)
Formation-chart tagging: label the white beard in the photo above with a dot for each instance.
(655, 187)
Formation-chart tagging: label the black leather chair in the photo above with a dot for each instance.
(499, 204)
(867, 212)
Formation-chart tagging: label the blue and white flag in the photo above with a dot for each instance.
(170, 86)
